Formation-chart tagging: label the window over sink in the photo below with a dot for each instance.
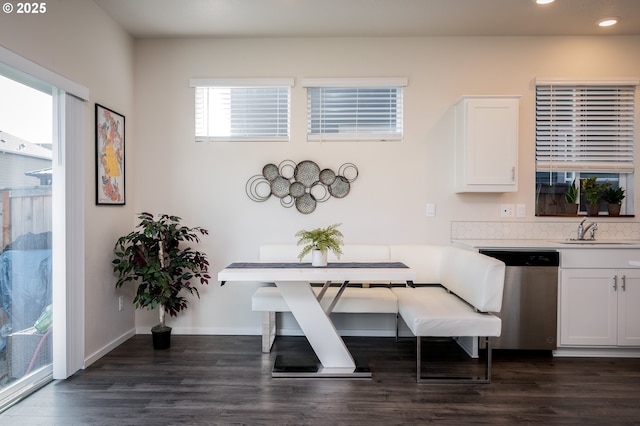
(584, 129)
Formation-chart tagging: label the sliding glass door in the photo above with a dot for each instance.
(26, 261)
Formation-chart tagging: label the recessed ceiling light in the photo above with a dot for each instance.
(544, 1)
(607, 22)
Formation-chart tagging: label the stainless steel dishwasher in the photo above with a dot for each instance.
(530, 300)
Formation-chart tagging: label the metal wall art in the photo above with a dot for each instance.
(303, 185)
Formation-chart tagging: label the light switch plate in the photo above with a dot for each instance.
(521, 210)
(431, 210)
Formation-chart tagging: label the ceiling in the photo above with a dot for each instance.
(369, 18)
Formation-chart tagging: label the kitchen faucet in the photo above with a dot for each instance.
(582, 229)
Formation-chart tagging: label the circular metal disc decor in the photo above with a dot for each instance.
(258, 188)
(280, 187)
(270, 172)
(303, 185)
(306, 204)
(327, 176)
(320, 192)
(307, 173)
(287, 168)
(297, 189)
(340, 187)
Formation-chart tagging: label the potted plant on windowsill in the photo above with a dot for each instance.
(613, 197)
(592, 192)
(319, 241)
(571, 198)
(152, 257)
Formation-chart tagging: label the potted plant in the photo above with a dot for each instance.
(319, 241)
(152, 257)
(592, 191)
(613, 197)
(571, 198)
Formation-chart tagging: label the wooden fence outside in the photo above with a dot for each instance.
(25, 210)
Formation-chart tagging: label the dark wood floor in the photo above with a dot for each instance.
(226, 380)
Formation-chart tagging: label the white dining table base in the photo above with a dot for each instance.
(332, 358)
(335, 359)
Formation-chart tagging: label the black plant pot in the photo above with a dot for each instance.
(161, 337)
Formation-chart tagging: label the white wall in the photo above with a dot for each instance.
(205, 183)
(79, 41)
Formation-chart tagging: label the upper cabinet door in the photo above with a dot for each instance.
(487, 144)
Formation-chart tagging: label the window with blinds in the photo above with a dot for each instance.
(585, 127)
(242, 109)
(355, 109)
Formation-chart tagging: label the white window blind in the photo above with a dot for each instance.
(242, 109)
(355, 109)
(585, 127)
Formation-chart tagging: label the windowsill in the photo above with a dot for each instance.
(623, 216)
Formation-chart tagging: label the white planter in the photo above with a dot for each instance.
(318, 258)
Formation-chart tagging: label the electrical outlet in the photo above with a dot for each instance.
(507, 210)
(521, 210)
(120, 303)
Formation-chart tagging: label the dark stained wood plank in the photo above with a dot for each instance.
(226, 380)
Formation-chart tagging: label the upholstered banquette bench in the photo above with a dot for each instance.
(471, 287)
(465, 288)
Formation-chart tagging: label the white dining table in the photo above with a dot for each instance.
(294, 282)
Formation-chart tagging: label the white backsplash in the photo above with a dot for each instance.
(541, 230)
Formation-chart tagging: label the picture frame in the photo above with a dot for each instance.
(110, 153)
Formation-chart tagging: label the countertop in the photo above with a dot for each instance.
(516, 244)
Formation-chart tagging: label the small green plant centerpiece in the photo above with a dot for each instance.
(152, 257)
(319, 241)
(592, 191)
(571, 198)
(613, 197)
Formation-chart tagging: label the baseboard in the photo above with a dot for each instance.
(597, 352)
(108, 348)
(205, 331)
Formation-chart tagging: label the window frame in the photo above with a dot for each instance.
(625, 169)
(357, 134)
(242, 83)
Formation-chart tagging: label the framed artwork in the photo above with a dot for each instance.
(110, 172)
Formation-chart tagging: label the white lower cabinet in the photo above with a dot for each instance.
(599, 307)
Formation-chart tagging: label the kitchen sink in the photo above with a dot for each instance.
(597, 242)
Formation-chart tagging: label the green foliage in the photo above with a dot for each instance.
(322, 239)
(613, 195)
(592, 190)
(571, 196)
(152, 256)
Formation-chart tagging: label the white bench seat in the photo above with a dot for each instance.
(471, 288)
(433, 311)
(353, 300)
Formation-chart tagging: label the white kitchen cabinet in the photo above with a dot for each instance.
(599, 307)
(486, 144)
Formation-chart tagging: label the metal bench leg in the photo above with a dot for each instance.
(418, 359)
(443, 379)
